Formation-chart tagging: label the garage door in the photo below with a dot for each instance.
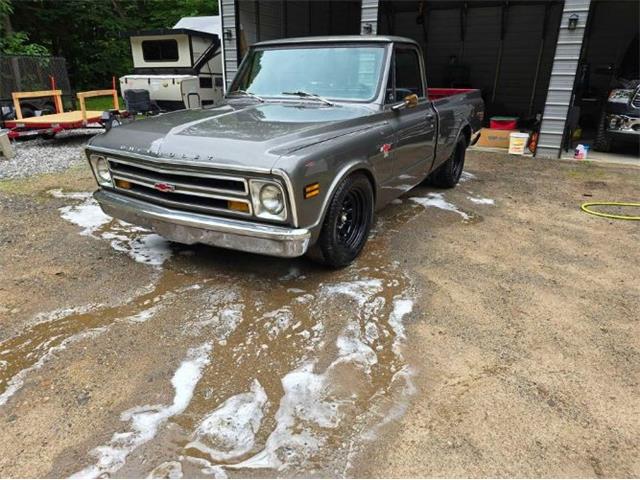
(506, 50)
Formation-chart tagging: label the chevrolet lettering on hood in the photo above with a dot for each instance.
(302, 160)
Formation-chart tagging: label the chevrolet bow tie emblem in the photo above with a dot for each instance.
(385, 149)
(164, 187)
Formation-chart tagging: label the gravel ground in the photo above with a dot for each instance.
(39, 155)
(490, 330)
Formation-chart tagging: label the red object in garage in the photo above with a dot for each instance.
(503, 123)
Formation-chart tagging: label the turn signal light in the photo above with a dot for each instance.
(238, 206)
(311, 190)
(123, 184)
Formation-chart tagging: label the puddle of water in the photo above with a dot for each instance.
(146, 420)
(307, 363)
(167, 470)
(50, 334)
(482, 201)
(229, 432)
(437, 200)
(312, 367)
(137, 242)
(466, 176)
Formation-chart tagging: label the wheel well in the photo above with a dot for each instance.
(369, 176)
(466, 133)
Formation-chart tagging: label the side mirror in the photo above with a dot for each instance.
(410, 101)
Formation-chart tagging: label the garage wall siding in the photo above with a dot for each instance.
(565, 64)
(230, 51)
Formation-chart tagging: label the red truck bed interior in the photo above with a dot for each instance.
(437, 93)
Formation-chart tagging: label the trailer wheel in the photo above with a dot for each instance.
(449, 173)
(603, 140)
(48, 135)
(347, 223)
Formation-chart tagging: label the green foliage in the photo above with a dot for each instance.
(92, 34)
(5, 8)
(18, 44)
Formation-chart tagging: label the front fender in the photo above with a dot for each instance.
(345, 171)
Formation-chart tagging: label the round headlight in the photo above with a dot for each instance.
(102, 170)
(271, 199)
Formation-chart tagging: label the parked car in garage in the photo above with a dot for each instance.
(314, 135)
(620, 119)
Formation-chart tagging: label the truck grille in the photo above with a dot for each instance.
(636, 99)
(182, 188)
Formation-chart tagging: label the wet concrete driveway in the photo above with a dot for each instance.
(123, 355)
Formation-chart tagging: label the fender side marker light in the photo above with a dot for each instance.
(311, 190)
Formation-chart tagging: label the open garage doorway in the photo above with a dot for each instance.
(505, 49)
(606, 88)
(269, 20)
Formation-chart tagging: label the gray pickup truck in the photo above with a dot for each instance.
(313, 136)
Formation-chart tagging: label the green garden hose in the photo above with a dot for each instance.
(585, 207)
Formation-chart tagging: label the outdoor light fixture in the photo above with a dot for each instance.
(228, 34)
(367, 29)
(573, 21)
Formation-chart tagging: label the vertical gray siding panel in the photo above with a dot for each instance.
(563, 75)
(230, 51)
(369, 16)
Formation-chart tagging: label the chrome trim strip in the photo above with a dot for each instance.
(183, 205)
(183, 173)
(290, 193)
(177, 161)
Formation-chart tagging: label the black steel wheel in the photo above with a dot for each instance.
(347, 222)
(449, 173)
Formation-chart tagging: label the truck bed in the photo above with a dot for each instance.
(454, 105)
(438, 93)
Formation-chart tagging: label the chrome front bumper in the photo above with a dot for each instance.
(190, 228)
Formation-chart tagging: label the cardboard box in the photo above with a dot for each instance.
(493, 138)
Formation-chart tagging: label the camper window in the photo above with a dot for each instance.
(160, 50)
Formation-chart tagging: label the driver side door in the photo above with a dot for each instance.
(414, 126)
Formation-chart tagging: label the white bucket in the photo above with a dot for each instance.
(518, 143)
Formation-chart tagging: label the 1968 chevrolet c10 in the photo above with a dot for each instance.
(313, 136)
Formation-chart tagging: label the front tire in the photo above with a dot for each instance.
(603, 140)
(449, 173)
(347, 222)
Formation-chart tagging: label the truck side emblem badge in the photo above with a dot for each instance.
(164, 187)
(385, 149)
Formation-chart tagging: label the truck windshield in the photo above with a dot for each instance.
(337, 73)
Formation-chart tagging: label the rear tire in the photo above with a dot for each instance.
(603, 140)
(449, 173)
(346, 226)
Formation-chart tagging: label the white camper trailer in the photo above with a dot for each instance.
(180, 67)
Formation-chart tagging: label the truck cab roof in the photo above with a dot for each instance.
(337, 39)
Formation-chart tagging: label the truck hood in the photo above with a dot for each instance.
(252, 136)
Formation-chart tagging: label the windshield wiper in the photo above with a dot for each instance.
(247, 94)
(303, 94)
